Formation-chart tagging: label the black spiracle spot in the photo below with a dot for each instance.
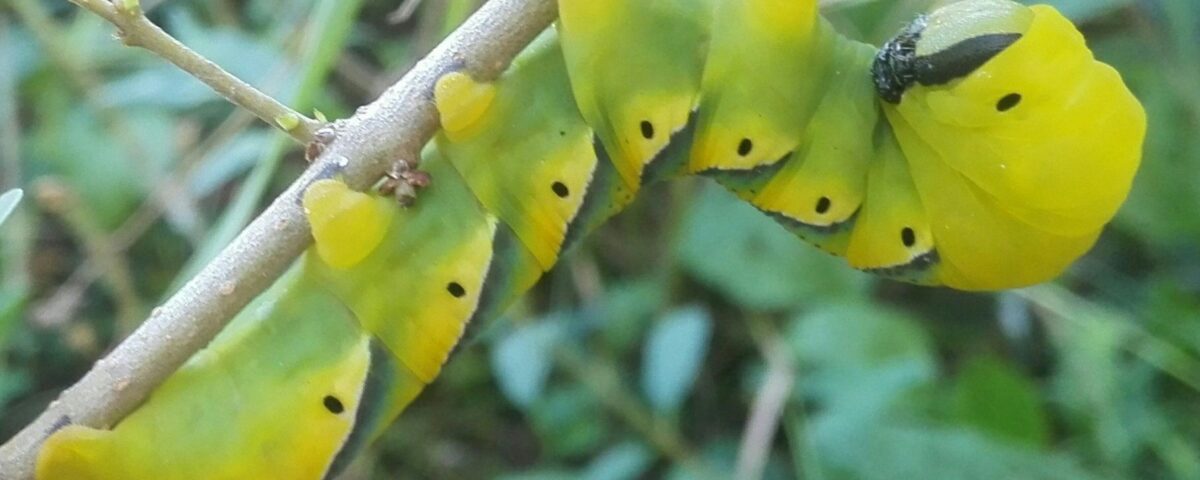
(456, 289)
(823, 205)
(333, 404)
(1008, 102)
(908, 236)
(647, 129)
(745, 146)
(560, 189)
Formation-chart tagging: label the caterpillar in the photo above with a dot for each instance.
(982, 148)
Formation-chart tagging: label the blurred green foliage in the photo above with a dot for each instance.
(644, 353)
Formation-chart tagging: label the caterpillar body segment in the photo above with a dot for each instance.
(891, 235)
(982, 148)
(752, 111)
(635, 69)
(532, 161)
(286, 391)
(817, 190)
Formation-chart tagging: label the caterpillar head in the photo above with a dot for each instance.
(1020, 143)
(947, 44)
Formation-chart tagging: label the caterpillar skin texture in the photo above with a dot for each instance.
(982, 148)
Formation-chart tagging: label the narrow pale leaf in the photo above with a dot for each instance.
(673, 356)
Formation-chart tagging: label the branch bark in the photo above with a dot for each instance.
(393, 127)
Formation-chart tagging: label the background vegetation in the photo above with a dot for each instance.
(654, 348)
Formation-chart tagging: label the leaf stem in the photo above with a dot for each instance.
(136, 30)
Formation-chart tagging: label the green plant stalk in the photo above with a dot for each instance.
(137, 30)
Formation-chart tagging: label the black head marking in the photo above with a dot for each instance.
(897, 66)
(961, 58)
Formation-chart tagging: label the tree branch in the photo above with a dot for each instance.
(393, 127)
(136, 30)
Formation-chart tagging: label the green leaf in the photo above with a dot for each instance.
(993, 397)
(737, 250)
(891, 451)
(539, 474)
(570, 421)
(624, 461)
(13, 302)
(627, 310)
(228, 162)
(673, 356)
(110, 174)
(522, 360)
(861, 357)
(8, 203)
(13, 383)
(719, 458)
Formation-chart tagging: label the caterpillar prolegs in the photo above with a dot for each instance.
(982, 148)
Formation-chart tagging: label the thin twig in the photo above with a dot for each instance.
(772, 397)
(57, 198)
(138, 31)
(16, 240)
(404, 12)
(59, 307)
(183, 210)
(604, 380)
(395, 126)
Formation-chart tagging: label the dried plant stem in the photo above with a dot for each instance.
(766, 412)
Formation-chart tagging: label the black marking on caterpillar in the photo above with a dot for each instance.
(918, 264)
(333, 404)
(604, 179)
(647, 129)
(742, 177)
(897, 67)
(505, 247)
(823, 205)
(1008, 102)
(381, 375)
(961, 58)
(560, 189)
(823, 230)
(908, 237)
(671, 157)
(745, 147)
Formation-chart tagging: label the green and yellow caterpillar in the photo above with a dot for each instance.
(982, 148)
